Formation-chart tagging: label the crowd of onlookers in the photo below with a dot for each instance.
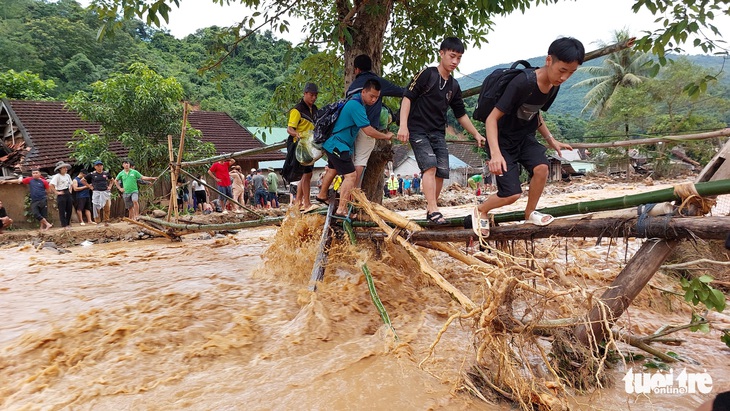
(396, 185)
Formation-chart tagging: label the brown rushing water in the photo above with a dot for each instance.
(210, 325)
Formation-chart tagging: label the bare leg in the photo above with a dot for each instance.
(537, 185)
(359, 170)
(348, 183)
(303, 190)
(430, 189)
(327, 182)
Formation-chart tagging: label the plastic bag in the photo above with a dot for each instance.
(306, 152)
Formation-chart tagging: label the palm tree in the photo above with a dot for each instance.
(625, 68)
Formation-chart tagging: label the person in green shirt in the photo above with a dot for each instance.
(127, 185)
(273, 182)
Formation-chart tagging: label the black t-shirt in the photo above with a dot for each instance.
(430, 100)
(100, 181)
(521, 116)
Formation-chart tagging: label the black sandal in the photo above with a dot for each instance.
(436, 217)
(322, 201)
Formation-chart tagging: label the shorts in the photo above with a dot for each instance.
(200, 197)
(530, 154)
(273, 196)
(39, 209)
(130, 199)
(341, 162)
(431, 151)
(364, 145)
(83, 203)
(227, 190)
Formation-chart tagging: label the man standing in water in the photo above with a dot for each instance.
(38, 198)
(301, 120)
(423, 122)
(128, 187)
(511, 128)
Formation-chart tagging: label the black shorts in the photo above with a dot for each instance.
(341, 161)
(530, 154)
(83, 203)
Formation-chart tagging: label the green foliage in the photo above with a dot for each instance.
(139, 109)
(24, 86)
(625, 68)
(698, 290)
(725, 337)
(683, 21)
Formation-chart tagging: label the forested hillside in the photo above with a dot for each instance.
(57, 41)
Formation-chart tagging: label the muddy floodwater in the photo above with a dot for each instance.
(229, 324)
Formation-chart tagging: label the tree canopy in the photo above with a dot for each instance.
(404, 35)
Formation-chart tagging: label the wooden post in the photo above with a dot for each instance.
(627, 285)
(180, 151)
(632, 279)
(172, 207)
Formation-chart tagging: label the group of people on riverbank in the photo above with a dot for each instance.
(87, 192)
(510, 140)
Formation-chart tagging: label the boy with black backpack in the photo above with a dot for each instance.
(510, 129)
(340, 144)
(423, 121)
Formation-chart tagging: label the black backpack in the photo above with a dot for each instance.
(495, 84)
(326, 118)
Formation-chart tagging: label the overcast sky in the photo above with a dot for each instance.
(517, 36)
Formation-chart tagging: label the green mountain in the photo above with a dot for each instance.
(570, 99)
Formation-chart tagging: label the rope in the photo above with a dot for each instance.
(692, 202)
(645, 223)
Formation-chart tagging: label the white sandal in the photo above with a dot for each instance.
(537, 217)
(478, 225)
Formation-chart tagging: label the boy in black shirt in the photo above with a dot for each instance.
(511, 127)
(423, 121)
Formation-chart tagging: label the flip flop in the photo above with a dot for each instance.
(322, 201)
(537, 218)
(311, 208)
(436, 217)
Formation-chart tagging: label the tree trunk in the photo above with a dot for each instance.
(373, 180)
(367, 22)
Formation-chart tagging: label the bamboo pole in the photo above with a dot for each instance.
(172, 206)
(711, 188)
(214, 227)
(423, 264)
(725, 132)
(216, 190)
(371, 282)
(320, 261)
(150, 228)
(244, 153)
(706, 228)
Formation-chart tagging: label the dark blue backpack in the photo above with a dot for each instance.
(494, 85)
(326, 119)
